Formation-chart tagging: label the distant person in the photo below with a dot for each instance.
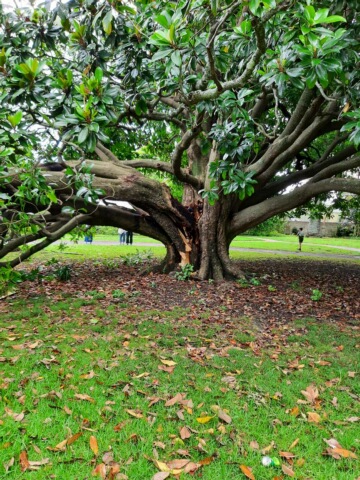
(122, 235)
(301, 236)
(129, 238)
(89, 238)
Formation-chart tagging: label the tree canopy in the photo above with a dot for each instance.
(246, 109)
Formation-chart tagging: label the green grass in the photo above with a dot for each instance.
(54, 349)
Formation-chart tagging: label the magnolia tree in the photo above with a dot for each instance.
(207, 116)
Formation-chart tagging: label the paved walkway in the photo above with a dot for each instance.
(261, 250)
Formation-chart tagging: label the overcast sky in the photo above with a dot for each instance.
(21, 3)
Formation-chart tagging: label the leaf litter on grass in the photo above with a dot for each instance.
(93, 398)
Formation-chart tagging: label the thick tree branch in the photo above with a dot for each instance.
(256, 214)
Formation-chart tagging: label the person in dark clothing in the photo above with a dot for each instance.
(129, 238)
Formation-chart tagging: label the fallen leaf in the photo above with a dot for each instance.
(135, 413)
(9, 464)
(286, 454)
(178, 398)
(73, 439)
(311, 393)
(287, 471)
(353, 419)
(343, 453)
(99, 471)
(247, 472)
(24, 462)
(185, 433)
(82, 396)
(60, 447)
(94, 445)
(168, 363)
(313, 417)
(160, 476)
(224, 416)
(204, 419)
(295, 442)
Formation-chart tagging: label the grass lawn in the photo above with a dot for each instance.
(90, 382)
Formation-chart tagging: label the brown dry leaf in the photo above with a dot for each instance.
(113, 472)
(99, 471)
(207, 460)
(60, 447)
(88, 376)
(343, 453)
(351, 374)
(247, 472)
(295, 411)
(94, 445)
(73, 438)
(67, 410)
(18, 417)
(287, 471)
(119, 426)
(178, 398)
(254, 445)
(160, 476)
(135, 413)
(287, 455)
(168, 363)
(24, 462)
(332, 442)
(161, 466)
(353, 419)
(311, 393)
(185, 433)
(295, 442)
(166, 369)
(204, 419)
(9, 464)
(83, 396)
(224, 416)
(177, 464)
(313, 417)
(267, 449)
(35, 465)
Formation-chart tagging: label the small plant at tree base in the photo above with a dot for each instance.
(185, 272)
(316, 295)
(63, 273)
(138, 258)
(256, 282)
(271, 288)
(243, 282)
(96, 295)
(118, 294)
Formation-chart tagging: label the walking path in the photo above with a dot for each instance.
(261, 250)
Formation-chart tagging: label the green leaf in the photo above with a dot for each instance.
(99, 74)
(334, 18)
(107, 22)
(253, 6)
(83, 135)
(172, 33)
(160, 38)
(15, 119)
(309, 13)
(321, 15)
(176, 58)
(161, 54)
(51, 195)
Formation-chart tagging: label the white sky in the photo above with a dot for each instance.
(12, 4)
